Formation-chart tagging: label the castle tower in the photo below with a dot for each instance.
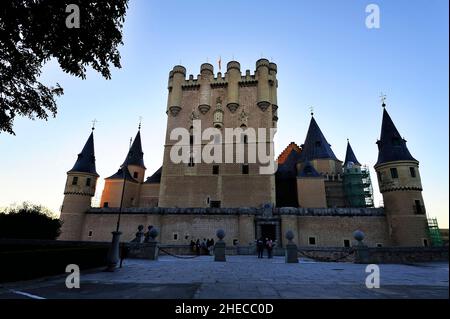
(317, 153)
(356, 180)
(399, 182)
(78, 192)
(229, 101)
(132, 171)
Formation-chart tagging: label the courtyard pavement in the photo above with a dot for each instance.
(240, 277)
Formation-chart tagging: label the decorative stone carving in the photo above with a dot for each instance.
(243, 117)
(263, 105)
(218, 114)
(232, 107)
(204, 108)
(174, 110)
(194, 116)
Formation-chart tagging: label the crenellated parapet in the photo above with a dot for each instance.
(264, 79)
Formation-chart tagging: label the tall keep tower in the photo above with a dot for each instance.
(233, 100)
(399, 182)
(78, 192)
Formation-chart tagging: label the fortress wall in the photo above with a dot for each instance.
(239, 224)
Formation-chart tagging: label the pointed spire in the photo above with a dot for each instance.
(316, 145)
(86, 159)
(391, 146)
(350, 156)
(135, 155)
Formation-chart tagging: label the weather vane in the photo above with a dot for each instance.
(140, 122)
(311, 109)
(383, 99)
(93, 124)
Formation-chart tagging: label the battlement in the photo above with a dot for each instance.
(219, 79)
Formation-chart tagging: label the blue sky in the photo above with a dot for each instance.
(326, 58)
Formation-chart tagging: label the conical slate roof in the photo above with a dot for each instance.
(135, 155)
(308, 171)
(350, 156)
(120, 175)
(316, 145)
(391, 146)
(155, 178)
(86, 159)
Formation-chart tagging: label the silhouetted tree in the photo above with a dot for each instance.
(34, 31)
(29, 222)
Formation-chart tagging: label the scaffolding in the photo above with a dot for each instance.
(434, 233)
(358, 186)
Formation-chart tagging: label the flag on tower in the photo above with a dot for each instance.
(220, 63)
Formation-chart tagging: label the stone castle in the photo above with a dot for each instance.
(312, 193)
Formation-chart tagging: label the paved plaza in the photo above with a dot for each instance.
(241, 277)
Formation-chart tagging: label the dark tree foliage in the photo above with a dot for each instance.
(34, 31)
(29, 222)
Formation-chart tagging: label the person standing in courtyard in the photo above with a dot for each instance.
(260, 247)
(269, 245)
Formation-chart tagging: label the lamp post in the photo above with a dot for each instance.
(114, 250)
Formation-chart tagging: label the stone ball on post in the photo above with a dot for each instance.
(153, 233)
(220, 234)
(289, 235)
(358, 235)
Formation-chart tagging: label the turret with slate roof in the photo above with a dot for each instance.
(401, 187)
(86, 159)
(80, 188)
(391, 146)
(350, 157)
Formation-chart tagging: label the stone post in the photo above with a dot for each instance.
(219, 247)
(153, 249)
(362, 251)
(291, 252)
(113, 252)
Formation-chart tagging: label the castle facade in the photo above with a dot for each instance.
(322, 199)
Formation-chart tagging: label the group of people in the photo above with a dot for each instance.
(264, 243)
(204, 247)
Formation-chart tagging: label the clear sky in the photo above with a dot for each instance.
(326, 58)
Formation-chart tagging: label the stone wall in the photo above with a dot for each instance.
(178, 226)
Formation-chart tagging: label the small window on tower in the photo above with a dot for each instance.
(394, 172)
(412, 171)
(88, 181)
(75, 180)
(312, 241)
(105, 205)
(215, 169)
(135, 174)
(245, 169)
(90, 233)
